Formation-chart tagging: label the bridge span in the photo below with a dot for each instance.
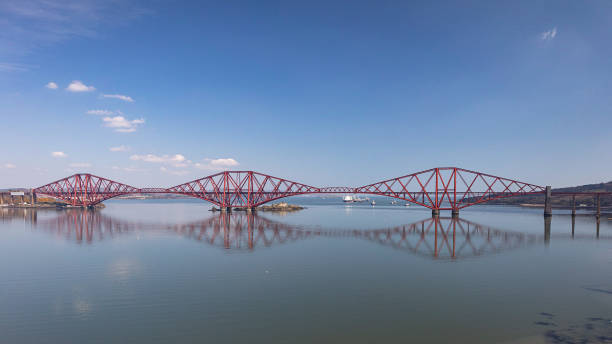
(440, 188)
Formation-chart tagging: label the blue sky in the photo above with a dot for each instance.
(324, 93)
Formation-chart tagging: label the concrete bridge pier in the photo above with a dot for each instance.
(547, 204)
(435, 212)
(455, 213)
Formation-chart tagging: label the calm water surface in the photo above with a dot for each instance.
(171, 271)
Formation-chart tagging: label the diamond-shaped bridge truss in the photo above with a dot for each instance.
(437, 188)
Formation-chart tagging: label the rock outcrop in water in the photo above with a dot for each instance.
(277, 207)
(283, 206)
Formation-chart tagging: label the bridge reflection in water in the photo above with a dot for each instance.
(434, 237)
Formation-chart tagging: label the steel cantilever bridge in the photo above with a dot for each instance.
(442, 188)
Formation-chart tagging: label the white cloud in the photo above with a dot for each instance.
(121, 124)
(119, 96)
(58, 154)
(217, 164)
(549, 35)
(121, 148)
(51, 85)
(80, 164)
(77, 86)
(100, 112)
(9, 165)
(129, 169)
(178, 164)
(161, 159)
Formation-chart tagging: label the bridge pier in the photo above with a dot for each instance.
(435, 212)
(573, 205)
(455, 213)
(598, 211)
(547, 204)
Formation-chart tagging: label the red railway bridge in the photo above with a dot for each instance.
(441, 188)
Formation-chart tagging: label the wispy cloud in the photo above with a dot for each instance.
(217, 164)
(59, 154)
(121, 148)
(28, 25)
(14, 67)
(119, 96)
(121, 124)
(78, 86)
(549, 35)
(101, 112)
(161, 159)
(178, 164)
(79, 164)
(51, 85)
(129, 169)
(173, 171)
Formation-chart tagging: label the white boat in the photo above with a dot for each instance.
(348, 199)
(373, 202)
(407, 204)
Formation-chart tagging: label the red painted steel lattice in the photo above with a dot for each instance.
(85, 189)
(241, 189)
(437, 188)
(448, 188)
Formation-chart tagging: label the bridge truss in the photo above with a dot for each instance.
(443, 188)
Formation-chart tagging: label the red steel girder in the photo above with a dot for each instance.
(85, 189)
(242, 188)
(449, 188)
(437, 188)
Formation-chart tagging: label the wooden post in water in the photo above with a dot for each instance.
(547, 199)
(598, 213)
(547, 229)
(573, 205)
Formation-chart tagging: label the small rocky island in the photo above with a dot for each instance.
(283, 206)
(275, 207)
